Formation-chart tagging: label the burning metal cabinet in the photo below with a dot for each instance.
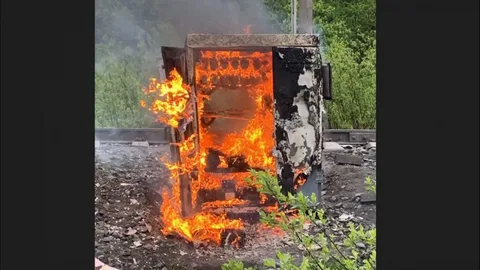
(256, 102)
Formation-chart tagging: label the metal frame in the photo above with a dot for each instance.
(206, 41)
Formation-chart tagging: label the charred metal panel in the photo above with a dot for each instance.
(298, 117)
(174, 58)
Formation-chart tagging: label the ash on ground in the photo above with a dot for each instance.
(127, 225)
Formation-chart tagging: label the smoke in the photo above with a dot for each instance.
(219, 16)
(126, 29)
(318, 30)
(166, 23)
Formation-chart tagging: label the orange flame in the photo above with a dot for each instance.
(299, 182)
(253, 71)
(175, 94)
(248, 29)
(202, 226)
(250, 72)
(228, 203)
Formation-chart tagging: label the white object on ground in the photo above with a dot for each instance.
(332, 147)
(140, 143)
(345, 217)
(371, 145)
(103, 266)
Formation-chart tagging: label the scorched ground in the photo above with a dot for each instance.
(127, 231)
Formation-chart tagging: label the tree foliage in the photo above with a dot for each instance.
(127, 35)
(118, 84)
(352, 21)
(354, 86)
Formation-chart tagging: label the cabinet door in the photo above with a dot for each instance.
(175, 58)
(298, 102)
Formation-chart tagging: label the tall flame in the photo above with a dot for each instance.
(170, 99)
(251, 72)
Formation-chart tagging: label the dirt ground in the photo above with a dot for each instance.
(127, 232)
(345, 185)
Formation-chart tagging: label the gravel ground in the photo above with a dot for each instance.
(345, 184)
(127, 224)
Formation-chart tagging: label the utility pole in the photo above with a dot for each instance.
(293, 16)
(305, 14)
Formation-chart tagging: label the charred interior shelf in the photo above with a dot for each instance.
(236, 204)
(229, 114)
(249, 208)
(250, 214)
(210, 88)
(230, 170)
(246, 194)
(234, 83)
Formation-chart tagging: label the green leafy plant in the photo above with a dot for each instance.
(286, 261)
(371, 184)
(323, 249)
(235, 265)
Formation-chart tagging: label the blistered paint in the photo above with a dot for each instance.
(306, 78)
(299, 135)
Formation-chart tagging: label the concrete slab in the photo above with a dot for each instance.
(368, 198)
(348, 160)
(332, 147)
(140, 143)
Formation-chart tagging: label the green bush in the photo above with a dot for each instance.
(322, 250)
(354, 88)
(117, 94)
(235, 265)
